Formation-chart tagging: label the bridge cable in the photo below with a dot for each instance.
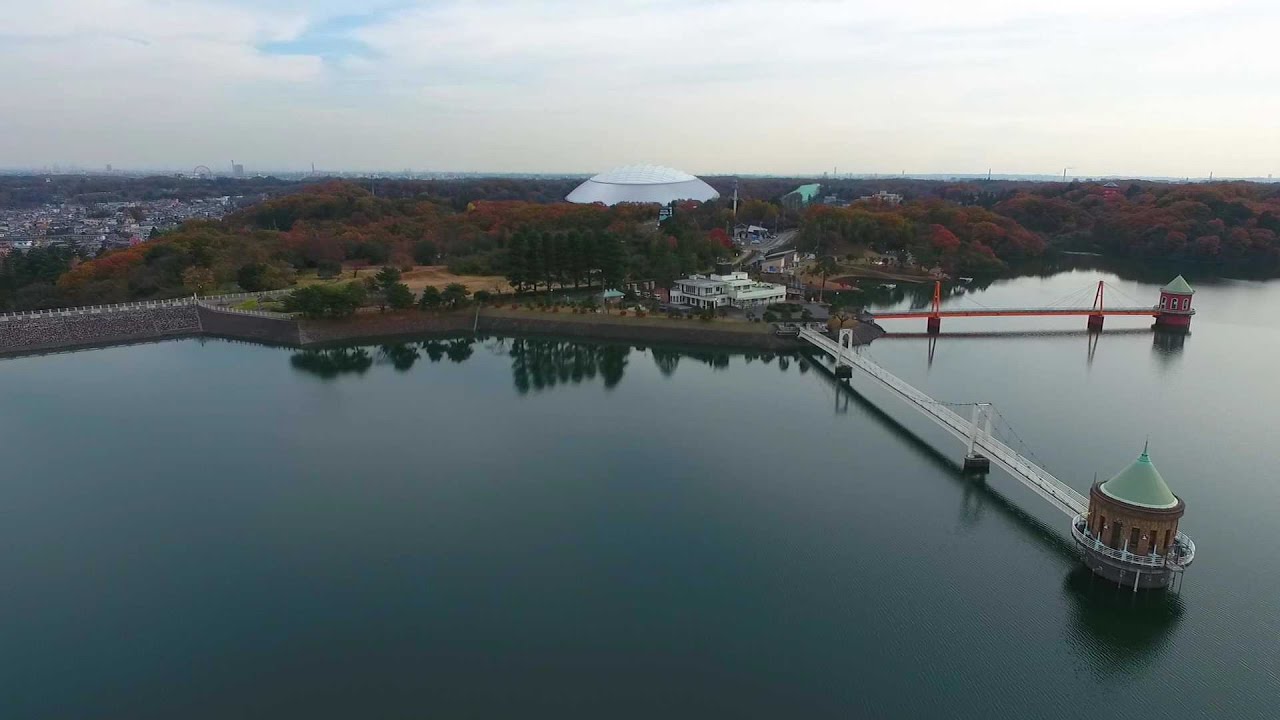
(975, 302)
(1023, 444)
(1123, 294)
(1076, 298)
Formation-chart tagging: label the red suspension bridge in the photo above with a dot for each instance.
(1173, 312)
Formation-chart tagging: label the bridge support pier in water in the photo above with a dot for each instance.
(935, 310)
(1095, 320)
(1173, 313)
(974, 461)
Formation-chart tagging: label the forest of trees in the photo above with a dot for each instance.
(959, 239)
(337, 225)
(988, 228)
(537, 242)
(1221, 222)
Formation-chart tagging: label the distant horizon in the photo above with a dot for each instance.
(403, 173)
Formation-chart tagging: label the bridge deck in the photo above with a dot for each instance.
(1017, 312)
(1039, 480)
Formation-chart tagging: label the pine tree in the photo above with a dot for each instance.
(533, 261)
(564, 259)
(387, 277)
(430, 299)
(399, 296)
(613, 261)
(577, 252)
(517, 260)
(550, 260)
(593, 247)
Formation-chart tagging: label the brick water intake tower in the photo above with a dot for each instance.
(1130, 534)
(1175, 306)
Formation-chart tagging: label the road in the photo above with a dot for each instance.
(765, 246)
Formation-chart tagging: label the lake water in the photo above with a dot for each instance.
(539, 528)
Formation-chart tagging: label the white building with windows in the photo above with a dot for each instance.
(732, 289)
(884, 197)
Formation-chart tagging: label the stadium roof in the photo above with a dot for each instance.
(642, 184)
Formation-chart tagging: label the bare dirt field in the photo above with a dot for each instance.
(420, 277)
(439, 276)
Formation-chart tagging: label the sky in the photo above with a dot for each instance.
(1104, 87)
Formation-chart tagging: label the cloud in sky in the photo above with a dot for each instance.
(1172, 88)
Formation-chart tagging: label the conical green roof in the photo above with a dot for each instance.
(1178, 286)
(1140, 484)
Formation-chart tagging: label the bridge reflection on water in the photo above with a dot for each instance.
(1103, 621)
(1164, 344)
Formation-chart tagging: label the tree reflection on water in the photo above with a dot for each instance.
(329, 363)
(536, 363)
(332, 362)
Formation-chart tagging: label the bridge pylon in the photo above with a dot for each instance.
(974, 461)
(934, 323)
(846, 341)
(1096, 317)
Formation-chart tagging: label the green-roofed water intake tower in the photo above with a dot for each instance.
(1130, 533)
(1127, 528)
(1175, 306)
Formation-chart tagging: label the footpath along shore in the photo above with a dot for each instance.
(52, 333)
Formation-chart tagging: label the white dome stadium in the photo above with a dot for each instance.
(642, 184)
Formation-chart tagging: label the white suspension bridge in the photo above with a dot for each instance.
(983, 447)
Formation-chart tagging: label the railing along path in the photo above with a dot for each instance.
(1039, 480)
(211, 302)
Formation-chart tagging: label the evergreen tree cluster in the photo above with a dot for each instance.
(543, 259)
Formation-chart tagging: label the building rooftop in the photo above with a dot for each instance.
(1178, 286)
(642, 184)
(700, 282)
(1140, 484)
(807, 192)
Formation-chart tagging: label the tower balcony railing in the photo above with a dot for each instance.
(1184, 550)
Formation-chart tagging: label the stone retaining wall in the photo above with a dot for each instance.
(367, 326)
(680, 332)
(39, 333)
(58, 332)
(250, 326)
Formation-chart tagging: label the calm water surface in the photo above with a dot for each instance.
(541, 528)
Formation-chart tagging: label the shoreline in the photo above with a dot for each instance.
(97, 331)
(502, 321)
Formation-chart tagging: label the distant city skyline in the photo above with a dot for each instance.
(1179, 89)
(293, 173)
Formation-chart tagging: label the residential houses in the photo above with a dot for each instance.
(98, 225)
